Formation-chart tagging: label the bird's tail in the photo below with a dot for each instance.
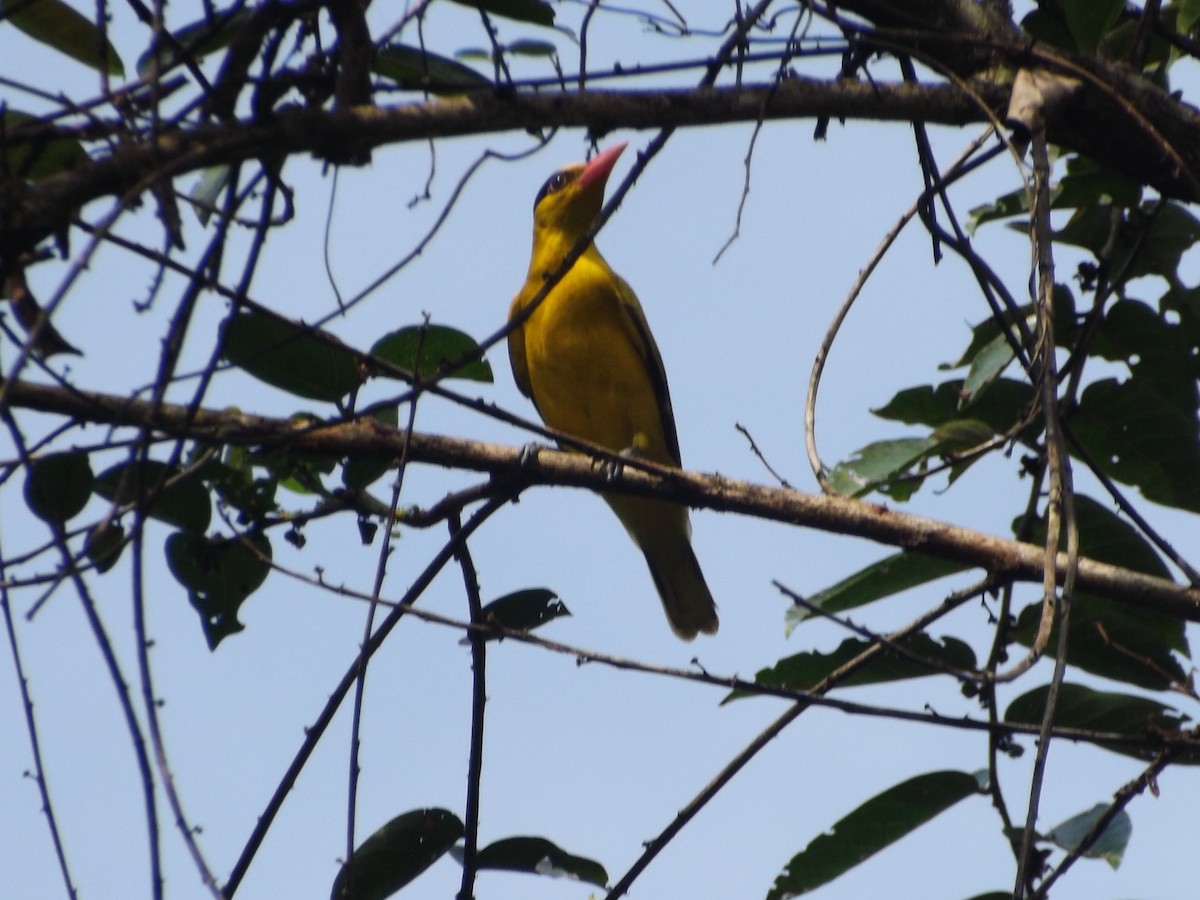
(661, 531)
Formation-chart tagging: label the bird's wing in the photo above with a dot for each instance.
(638, 330)
(516, 350)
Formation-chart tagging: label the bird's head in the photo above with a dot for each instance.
(570, 200)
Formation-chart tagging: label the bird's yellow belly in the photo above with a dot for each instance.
(588, 379)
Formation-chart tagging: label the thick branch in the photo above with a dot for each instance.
(367, 438)
(30, 214)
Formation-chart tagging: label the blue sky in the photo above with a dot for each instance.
(595, 759)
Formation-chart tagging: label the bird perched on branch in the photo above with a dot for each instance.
(589, 363)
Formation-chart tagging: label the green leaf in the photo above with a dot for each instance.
(1001, 406)
(535, 11)
(291, 357)
(1167, 235)
(219, 573)
(1115, 640)
(397, 853)
(986, 366)
(185, 504)
(884, 466)
(34, 161)
(1105, 536)
(208, 189)
(1109, 846)
(195, 41)
(1138, 436)
(804, 671)
(1085, 184)
(58, 486)
(1090, 710)
(1156, 349)
(426, 350)
(1048, 27)
(891, 575)
(525, 610)
(57, 25)
(419, 70)
(532, 48)
(1189, 15)
(360, 472)
(1090, 20)
(538, 856)
(234, 482)
(299, 471)
(881, 821)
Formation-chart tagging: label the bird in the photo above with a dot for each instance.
(587, 360)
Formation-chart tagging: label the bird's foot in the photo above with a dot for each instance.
(527, 457)
(614, 467)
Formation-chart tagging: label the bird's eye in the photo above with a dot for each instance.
(557, 182)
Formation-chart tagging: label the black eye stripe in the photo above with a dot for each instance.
(556, 182)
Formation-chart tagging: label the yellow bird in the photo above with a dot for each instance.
(589, 363)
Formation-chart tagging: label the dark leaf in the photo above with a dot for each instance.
(360, 473)
(1158, 240)
(185, 504)
(1090, 20)
(58, 486)
(396, 854)
(881, 821)
(1084, 708)
(1047, 25)
(234, 481)
(57, 25)
(885, 466)
(1113, 639)
(427, 349)
(804, 671)
(532, 48)
(539, 856)
(291, 357)
(891, 575)
(197, 40)
(1109, 846)
(537, 12)
(1000, 407)
(986, 366)
(419, 70)
(104, 545)
(525, 610)
(1140, 437)
(219, 573)
(1105, 536)
(1189, 15)
(33, 161)
(1156, 350)
(1085, 184)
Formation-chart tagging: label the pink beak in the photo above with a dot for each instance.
(598, 170)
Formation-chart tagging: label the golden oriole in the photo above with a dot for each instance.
(589, 363)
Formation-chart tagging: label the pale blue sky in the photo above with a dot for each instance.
(597, 760)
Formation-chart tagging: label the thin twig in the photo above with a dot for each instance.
(478, 642)
(314, 733)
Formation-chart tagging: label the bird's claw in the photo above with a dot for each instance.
(614, 467)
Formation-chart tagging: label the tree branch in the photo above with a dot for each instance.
(1005, 559)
